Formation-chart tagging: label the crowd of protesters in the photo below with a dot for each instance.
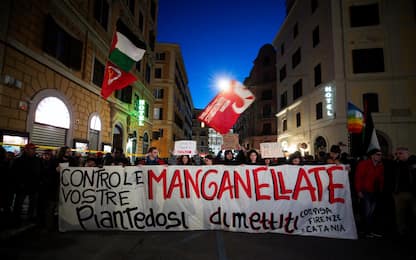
(383, 188)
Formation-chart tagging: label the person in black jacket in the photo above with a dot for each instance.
(405, 191)
(26, 171)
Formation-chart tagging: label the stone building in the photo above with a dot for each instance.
(330, 53)
(258, 123)
(173, 107)
(52, 58)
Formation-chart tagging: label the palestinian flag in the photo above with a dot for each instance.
(124, 53)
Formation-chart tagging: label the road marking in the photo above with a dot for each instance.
(220, 246)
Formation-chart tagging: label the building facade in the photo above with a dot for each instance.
(52, 58)
(199, 132)
(172, 113)
(215, 141)
(330, 53)
(257, 124)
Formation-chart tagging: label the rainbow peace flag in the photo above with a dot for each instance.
(355, 119)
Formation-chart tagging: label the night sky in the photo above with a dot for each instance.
(218, 38)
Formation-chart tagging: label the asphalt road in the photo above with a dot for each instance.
(37, 243)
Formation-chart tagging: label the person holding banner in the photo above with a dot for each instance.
(184, 160)
(334, 155)
(152, 157)
(252, 158)
(295, 158)
(208, 160)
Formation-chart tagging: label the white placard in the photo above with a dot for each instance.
(185, 147)
(271, 150)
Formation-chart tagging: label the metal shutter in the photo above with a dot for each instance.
(48, 135)
(93, 142)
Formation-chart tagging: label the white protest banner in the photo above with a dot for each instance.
(303, 200)
(230, 142)
(185, 147)
(271, 150)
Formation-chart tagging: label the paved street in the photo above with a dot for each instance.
(39, 244)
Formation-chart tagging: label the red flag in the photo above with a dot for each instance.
(114, 79)
(223, 111)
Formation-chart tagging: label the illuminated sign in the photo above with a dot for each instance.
(141, 112)
(329, 100)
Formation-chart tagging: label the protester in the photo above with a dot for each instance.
(369, 182)
(152, 157)
(208, 160)
(184, 160)
(49, 193)
(295, 158)
(26, 170)
(334, 155)
(252, 157)
(405, 192)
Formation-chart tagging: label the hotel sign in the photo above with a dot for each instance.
(141, 111)
(329, 100)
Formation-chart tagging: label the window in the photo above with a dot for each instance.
(297, 89)
(130, 4)
(153, 10)
(284, 124)
(295, 30)
(266, 61)
(139, 66)
(61, 45)
(317, 75)
(267, 129)
(98, 73)
(53, 111)
(124, 94)
(283, 100)
(158, 93)
(158, 113)
(319, 110)
(147, 73)
(282, 73)
(314, 5)
(370, 102)
(282, 49)
(298, 120)
(158, 73)
(160, 56)
(101, 10)
(266, 94)
(296, 58)
(315, 36)
(364, 15)
(368, 60)
(267, 110)
(152, 39)
(141, 21)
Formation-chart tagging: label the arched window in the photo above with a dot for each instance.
(51, 122)
(52, 111)
(94, 132)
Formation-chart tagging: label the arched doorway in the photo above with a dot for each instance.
(117, 138)
(320, 145)
(131, 146)
(145, 143)
(51, 122)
